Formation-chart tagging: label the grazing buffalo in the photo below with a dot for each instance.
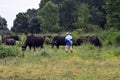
(9, 41)
(82, 40)
(95, 41)
(57, 41)
(15, 37)
(4, 37)
(33, 42)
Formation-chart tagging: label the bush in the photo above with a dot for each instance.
(117, 40)
(91, 28)
(116, 52)
(109, 37)
(47, 41)
(44, 52)
(8, 51)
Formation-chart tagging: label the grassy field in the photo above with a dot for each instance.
(85, 63)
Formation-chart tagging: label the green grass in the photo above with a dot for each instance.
(85, 63)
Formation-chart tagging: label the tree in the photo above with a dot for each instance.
(21, 23)
(68, 14)
(49, 15)
(84, 15)
(3, 24)
(34, 21)
(31, 13)
(113, 13)
(34, 25)
(97, 17)
(42, 3)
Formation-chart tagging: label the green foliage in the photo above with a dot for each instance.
(34, 21)
(98, 16)
(27, 22)
(78, 31)
(116, 52)
(42, 3)
(83, 16)
(117, 40)
(91, 28)
(109, 37)
(32, 13)
(21, 23)
(84, 12)
(68, 15)
(8, 51)
(3, 24)
(47, 41)
(63, 15)
(41, 53)
(44, 52)
(50, 17)
(34, 25)
(113, 11)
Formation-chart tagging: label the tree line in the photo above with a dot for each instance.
(64, 15)
(3, 24)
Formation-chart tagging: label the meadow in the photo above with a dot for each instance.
(85, 63)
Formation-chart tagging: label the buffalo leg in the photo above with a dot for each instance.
(57, 46)
(30, 47)
(41, 46)
(52, 45)
(34, 49)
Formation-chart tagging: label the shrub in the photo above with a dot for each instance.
(88, 28)
(6, 51)
(117, 40)
(109, 36)
(47, 41)
(44, 52)
(116, 53)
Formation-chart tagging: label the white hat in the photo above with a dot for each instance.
(67, 33)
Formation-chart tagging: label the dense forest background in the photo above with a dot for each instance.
(67, 15)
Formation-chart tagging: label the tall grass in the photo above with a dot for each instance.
(8, 51)
(85, 63)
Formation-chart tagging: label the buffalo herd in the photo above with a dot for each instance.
(60, 41)
(34, 42)
(9, 39)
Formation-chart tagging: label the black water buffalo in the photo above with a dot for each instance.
(9, 41)
(4, 37)
(33, 42)
(16, 37)
(57, 41)
(82, 40)
(95, 41)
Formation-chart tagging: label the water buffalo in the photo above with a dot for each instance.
(57, 41)
(16, 37)
(95, 41)
(82, 40)
(9, 41)
(33, 42)
(4, 37)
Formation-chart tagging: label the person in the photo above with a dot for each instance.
(69, 42)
